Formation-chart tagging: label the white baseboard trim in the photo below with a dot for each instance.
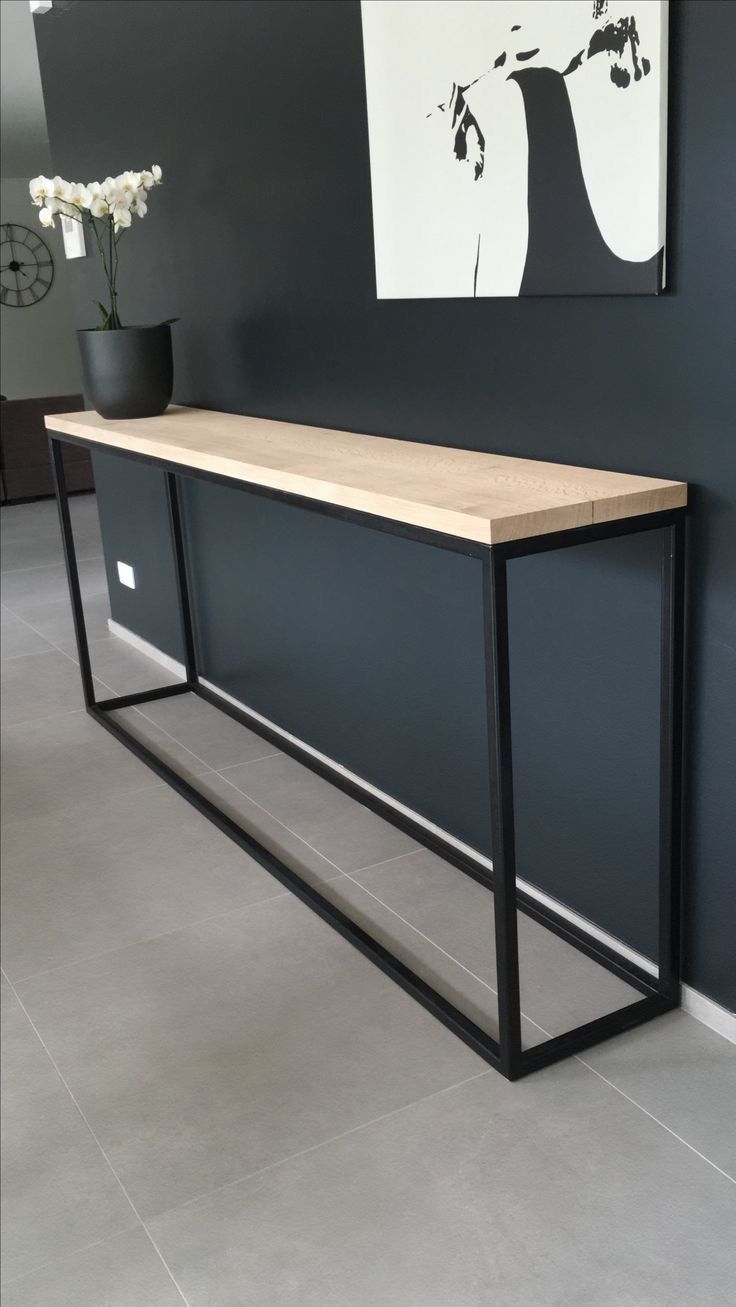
(698, 1005)
(709, 1012)
(150, 650)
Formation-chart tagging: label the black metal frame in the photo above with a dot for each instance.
(505, 1054)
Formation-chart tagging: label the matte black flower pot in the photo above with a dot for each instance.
(128, 373)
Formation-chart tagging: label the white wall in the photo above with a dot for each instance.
(38, 347)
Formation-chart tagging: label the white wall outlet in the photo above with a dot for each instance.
(73, 234)
(126, 575)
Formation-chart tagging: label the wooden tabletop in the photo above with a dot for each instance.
(484, 497)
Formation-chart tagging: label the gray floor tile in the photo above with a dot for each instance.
(203, 1055)
(17, 638)
(184, 762)
(59, 762)
(43, 515)
(25, 1066)
(208, 731)
(124, 1271)
(234, 1042)
(40, 585)
(93, 877)
(88, 535)
(29, 523)
(44, 551)
(125, 670)
(349, 834)
(684, 1074)
(53, 620)
(309, 864)
(468, 993)
(7, 998)
(58, 1192)
(84, 511)
(560, 987)
(23, 520)
(40, 685)
(552, 1192)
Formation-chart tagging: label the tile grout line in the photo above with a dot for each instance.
(58, 647)
(21, 571)
(357, 871)
(40, 1267)
(147, 939)
(39, 567)
(43, 603)
(434, 943)
(323, 1143)
(656, 1119)
(47, 717)
(75, 662)
(7, 824)
(30, 653)
(109, 1164)
(278, 821)
(208, 765)
(209, 769)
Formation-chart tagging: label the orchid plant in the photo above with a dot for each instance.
(106, 209)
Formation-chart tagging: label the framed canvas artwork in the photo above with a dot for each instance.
(517, 147)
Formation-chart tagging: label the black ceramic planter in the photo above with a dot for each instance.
(128, 373)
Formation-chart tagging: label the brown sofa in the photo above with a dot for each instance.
(25, 469)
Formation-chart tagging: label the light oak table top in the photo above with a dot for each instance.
(488, 498)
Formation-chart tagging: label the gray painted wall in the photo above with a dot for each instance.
(38, 351)
(38, 347)
(276, 293)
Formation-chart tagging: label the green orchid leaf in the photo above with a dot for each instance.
(105, 316)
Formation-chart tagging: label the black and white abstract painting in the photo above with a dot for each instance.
(518, 147)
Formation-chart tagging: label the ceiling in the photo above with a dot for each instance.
(23, 134)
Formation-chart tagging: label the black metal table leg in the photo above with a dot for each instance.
(182, 578)
(498, 706)
(72, 570)
(671, 758)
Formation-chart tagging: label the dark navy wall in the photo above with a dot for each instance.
(261, 240)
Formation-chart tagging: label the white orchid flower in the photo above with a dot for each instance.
(139, 205)
(40, 189)
(130, 182)
(97, 202)
(153, 178)
(110, 188)
(119, 199)
(121, 216)
(61, 188)
(46, 217)
(79, 195)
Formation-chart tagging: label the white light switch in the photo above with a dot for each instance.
(126, 575)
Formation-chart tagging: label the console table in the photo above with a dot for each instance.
(490, 507)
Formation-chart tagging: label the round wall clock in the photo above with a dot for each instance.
(26, 266)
